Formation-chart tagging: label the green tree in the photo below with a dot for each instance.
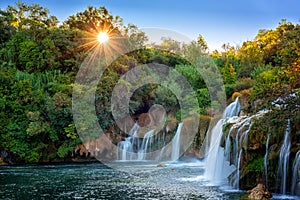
(202, 43)
(170, 44)
(7, 30)
(229, 74)
(31, 16)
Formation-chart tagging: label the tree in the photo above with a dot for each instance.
(229, 75)
(94, 20)
(202, 43)
(250, 56)
(7, 30)
(170, 44)
(31, 16)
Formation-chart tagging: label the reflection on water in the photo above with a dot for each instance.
(96, 181)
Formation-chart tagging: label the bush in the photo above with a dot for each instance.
(239, 85)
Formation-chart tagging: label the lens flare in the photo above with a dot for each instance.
(102, 41)
(102, 37)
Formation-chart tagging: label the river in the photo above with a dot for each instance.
(121, 180)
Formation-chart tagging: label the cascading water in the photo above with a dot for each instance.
(217, 168)
(295, 188)
(147, 141)
(126, 147)
(171, 152)
(284, 160)
(135, 149)
(236, 180)
(266, 161)
(228, 146)
(241, 138)
(176, 144)
(220, 162)
(232, 109)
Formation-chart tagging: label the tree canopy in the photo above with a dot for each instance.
(39, 60)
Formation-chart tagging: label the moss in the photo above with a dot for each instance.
(257, 164)
(226, 127)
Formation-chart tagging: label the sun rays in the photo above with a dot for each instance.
(102, 37)
(104, 42)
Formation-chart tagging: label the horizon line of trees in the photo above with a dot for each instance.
(39, 60)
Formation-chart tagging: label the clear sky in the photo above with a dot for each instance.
(218, 21)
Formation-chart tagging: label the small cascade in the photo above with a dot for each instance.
(238, 171)
(232, 109)
(134, 148)
(295, 188)
(176, 144)
(236, 149)
(227, 146)
(126, 147)
(266, 161)
(217, 167)
(133, 143)
(171, 152)
(284, 160)
(147, 141)
(241, 139)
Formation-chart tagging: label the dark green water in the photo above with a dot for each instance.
(97, 181)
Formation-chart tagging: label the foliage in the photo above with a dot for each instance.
(257, 164)
(39, 61)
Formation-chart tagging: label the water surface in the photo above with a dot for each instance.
(97, 181)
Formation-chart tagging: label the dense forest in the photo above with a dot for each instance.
(40, 57)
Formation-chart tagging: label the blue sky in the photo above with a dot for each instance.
(223, 21)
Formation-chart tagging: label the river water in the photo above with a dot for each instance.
(121, 180)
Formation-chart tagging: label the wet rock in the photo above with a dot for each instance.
(5, 158)
(161, 165)
(254, 146)
(144, 119)
(260, 192)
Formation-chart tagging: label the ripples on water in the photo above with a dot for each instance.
(97, 181)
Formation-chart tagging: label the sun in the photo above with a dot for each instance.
(102, 37)
(103, 41)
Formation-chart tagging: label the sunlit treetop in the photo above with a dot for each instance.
(103, 32)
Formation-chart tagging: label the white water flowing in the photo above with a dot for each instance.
(147, 141)
(135, 149)
(295, 188)
(217, 167)
(238, 171)
(266, 161)
(284, 160)
(176, 144)
(227, 147)
(128, 146)
(232, 109)
(239, 150)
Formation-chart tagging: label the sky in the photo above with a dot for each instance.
(218, 21)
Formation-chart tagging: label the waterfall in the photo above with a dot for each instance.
(244, 127)
(238, 171)
(266, 161)
(176, 144)
(295, 189)
(126, 147)
(131, 144)
(284, 160)
(147, 141)
(217, 168)
(232, 109)
(227, 147)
